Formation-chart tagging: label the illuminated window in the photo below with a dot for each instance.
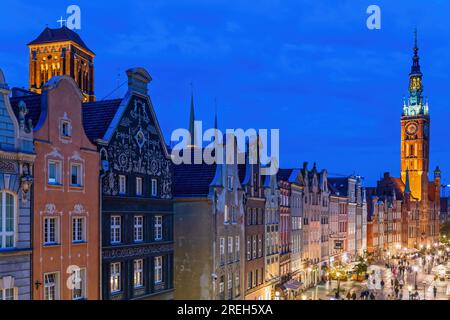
(8, 226)
(138, 273)
(115, 278)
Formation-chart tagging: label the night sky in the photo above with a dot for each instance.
(310, 68)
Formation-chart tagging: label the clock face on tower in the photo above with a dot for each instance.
(411, 129)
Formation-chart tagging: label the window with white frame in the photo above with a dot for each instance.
(115, 277)
(138, 228)
(230, 249)
(65, 129)
(158, 270)
(226, 215)
(116, 229)
(230, 183)
(249, 249)
(254, 248)
(79, 289)
(139, 186)
(51, 287)
(237, 284)
(238, 248)
(154, 187)
(158, 228)
(230, 286)
(138, 273)
(7, 294)
(122, 184)
(8, 224)
(51, 230)
(54, 172)
(222, 250)
(76, 175)
(78, 229)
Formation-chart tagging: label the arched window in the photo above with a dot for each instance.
(7, 220)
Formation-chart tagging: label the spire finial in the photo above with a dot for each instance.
(415, 38)
(192, 118)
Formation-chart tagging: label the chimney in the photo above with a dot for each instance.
(138, 80)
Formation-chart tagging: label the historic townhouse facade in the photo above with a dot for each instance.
(285, 224)
(209, 226)
(16, 181)
(272, 234)
(337, 225)
(315, 206)
(254, 220)
(297, 184)
(136, 189)
(66, 203)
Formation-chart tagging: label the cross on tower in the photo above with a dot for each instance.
(61, 21)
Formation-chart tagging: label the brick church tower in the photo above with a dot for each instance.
(57, 52)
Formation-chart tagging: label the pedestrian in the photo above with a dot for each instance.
(396, 291)
(372, 296)
(401, 284)
(401, 295)
(434, 292)
(382, 284)
(354, 296)
(392, 282)
(349, 295)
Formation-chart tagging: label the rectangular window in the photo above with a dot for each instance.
(138, 273)
(249, 249)
(230, 286)
(139, 186)
(158, 228)
(7, 220)
(237, 285)
(226, 215)
(54, 172)
(115, 278)
(230, 181)
(79, 291)
(78, 229)
(222, 250)
(138, 228)
(76, 174)
(122, 184)
(65, 129)
(158, 270)
(154, 187)
(230, 249)
(249, 280)
(7, 294)
(50, 231)
(116, 229)
(238, 248)
(254, 248)
(51, 289)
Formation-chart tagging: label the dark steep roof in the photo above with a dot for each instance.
(193, 180)
(284, 174)
(60, 34)
(339, 186)
(33, 103)
(97, 117)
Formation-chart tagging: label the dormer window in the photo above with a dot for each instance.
(65, 129)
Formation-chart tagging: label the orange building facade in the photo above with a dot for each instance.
(66, 230)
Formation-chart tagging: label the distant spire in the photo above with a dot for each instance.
(407, 186)
(192, 119)
(415, 69)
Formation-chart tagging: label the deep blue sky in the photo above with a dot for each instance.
(310, 68)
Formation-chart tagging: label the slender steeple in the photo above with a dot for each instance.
(192, 130)
(415, 69)
(407, 186)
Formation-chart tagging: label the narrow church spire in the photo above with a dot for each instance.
(192, 120)
(407, 186)
(415, 69)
